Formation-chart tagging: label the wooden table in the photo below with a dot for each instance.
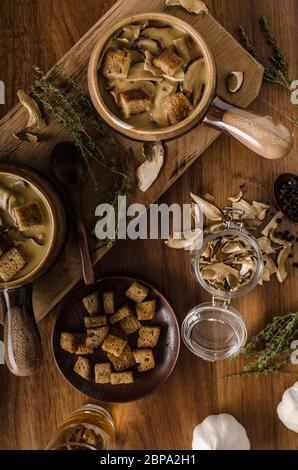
(32, 408)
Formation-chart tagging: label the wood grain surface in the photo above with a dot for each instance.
(32, 408)
(228, 54)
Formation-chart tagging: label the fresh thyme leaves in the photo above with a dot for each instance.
(270, 350)
(277, 68)
(64, 101)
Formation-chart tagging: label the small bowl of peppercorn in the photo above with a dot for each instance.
(286, 195)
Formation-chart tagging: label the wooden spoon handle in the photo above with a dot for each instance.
(262, 134)
(23, 350)
(87, 266)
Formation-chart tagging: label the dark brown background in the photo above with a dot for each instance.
(40, 32)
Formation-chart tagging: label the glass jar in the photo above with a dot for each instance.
(215, 331)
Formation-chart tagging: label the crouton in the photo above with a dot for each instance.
(123, 362)
(108, 303)
(177, 107)
(11, 263)
(148, 336)
(91, 303)
(27, 216)
(83, 349)
(130, 325)
(134, 102)
(96, 336)
(137, 292)
(103, 373)
(116, 63)
(123, 312)
(145, 359)
(4, 246)
(94, 322)
(116, 330)
(83, 367)
(146, 310)
(168, 62)
(114, 344)
(118, 378)
(70, 341)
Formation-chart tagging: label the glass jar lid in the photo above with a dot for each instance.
(214, 331)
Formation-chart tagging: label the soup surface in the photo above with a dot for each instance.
(152, 75)
(26, 230)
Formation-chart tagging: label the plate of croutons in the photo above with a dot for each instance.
(117, 340)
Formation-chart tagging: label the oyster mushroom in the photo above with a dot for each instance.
(165, 36)
(35, 116)
(235, 81)
(209, 210)
(158, 113)
(281, 262)
(194, 80)
(197, 7)
(133, 31)
(150, 45)
(148, 171)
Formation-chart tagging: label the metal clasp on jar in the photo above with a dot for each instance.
(223, 302)
(232, 218)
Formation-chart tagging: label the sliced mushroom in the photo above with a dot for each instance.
(148, 171)
(137, 73)
(272, 224)
(186, 241)
(26, 137)
(165, 36)
(35, 116)
(235, 81)
(236, 198)
(209, 210)
(158, 114)
(209, 197)
(148, 65)
(133, 31)
(218, 272)
(249, 212)
(261, 209)
(195, 79)
(278, 241)
(281, 262)
(265, 245)
(193, 6)
(118, 86)
(136, 56)
(150, 45)
(182, 49)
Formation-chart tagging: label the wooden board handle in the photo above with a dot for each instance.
(23, 349)
(261, 134)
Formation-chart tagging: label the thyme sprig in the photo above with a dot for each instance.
(270, 350)
(64, 101)
(276, 69)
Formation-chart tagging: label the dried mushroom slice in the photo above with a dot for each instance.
(209, 210)
(148, 171)
(149, 45)
(283, 255)
(132, 31)
(119, 86)
(35, 116)
(261, 209)
(236, 198)
(278, 241)
(197, 7)
(182, 49)
(187, 241)
(272, 224)
(164, 36)
(194, 80)
(158, 113)
(265, 245)
(148, 65)
(138, 73)
(235, 81)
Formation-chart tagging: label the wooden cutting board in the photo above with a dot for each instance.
(181, 153)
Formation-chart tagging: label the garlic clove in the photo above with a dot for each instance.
(287, 409)
(220, 432)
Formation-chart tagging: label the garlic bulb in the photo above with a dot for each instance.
(287, 410)
(220, 432)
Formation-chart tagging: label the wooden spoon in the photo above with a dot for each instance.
(69, 169)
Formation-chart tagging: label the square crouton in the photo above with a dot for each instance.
(114, 344)
(116, 330)
(123, 312)
(108, 303)
(130, 325)
(134, 102)
(83, 367)
(96, 336)
(146, 310)
(119, 378)
(91, 303)
(70, 341)
(148, 336)
(137, 292)
(11, 263)
(177, 107)
(103, 373)
(95, 322)
(116, 63)
(28, 216)
(83, 349)
(123, 362)
(145, 359)
(168, 62)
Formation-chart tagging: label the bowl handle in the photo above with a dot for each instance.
(23, 350)
(263, 135)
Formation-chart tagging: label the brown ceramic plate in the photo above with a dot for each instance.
(166, 352)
